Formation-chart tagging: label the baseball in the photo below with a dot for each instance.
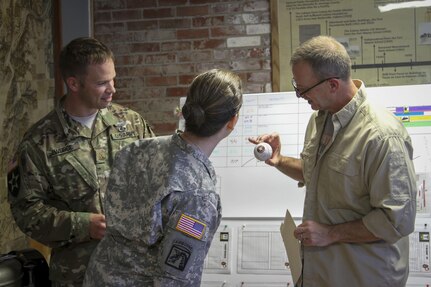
(263, 151)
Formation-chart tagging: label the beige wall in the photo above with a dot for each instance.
(26, 89)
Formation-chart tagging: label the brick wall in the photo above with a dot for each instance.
(160, 45)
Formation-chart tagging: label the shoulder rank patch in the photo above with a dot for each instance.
(13, 181)
(191, 226)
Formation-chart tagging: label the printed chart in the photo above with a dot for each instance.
(417, 120)
(240, 175)
(264, 114)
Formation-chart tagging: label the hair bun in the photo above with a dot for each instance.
(194, 113)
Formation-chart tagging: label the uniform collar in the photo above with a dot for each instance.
(348, 111)
(73, 129)
(194, 151)
(344, 115)
(70, 128)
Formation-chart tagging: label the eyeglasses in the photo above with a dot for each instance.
(300, 94)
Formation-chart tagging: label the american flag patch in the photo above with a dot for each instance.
(191, 226)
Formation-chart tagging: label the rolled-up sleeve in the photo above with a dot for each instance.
(392, 182)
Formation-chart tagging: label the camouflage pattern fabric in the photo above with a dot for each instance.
(63, 169)
(162, 212)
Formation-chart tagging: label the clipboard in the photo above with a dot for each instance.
(292, 245)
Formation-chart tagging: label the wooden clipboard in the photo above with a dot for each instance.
(292, 245)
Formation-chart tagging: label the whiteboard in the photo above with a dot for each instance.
(251, 189)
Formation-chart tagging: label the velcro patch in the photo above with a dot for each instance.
(191, 226)
(13, 181)
(124, 135)
(62, 150)
(178, 257)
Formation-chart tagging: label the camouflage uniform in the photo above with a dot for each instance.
(162, 212)
(63, 168)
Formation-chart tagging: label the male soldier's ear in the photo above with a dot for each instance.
(72, 83)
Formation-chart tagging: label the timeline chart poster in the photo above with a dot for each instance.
(386, 48)
(241, 176)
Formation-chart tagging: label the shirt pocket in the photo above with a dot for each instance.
(74, 180)
(308, 162)
(340, 185)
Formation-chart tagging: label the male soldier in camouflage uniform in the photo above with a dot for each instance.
(162, 207)
(65, 159)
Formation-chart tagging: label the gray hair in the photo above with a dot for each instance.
(327, 57)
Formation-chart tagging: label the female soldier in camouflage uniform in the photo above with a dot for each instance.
(162, 208)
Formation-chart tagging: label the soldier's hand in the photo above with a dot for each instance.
(97, 225)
